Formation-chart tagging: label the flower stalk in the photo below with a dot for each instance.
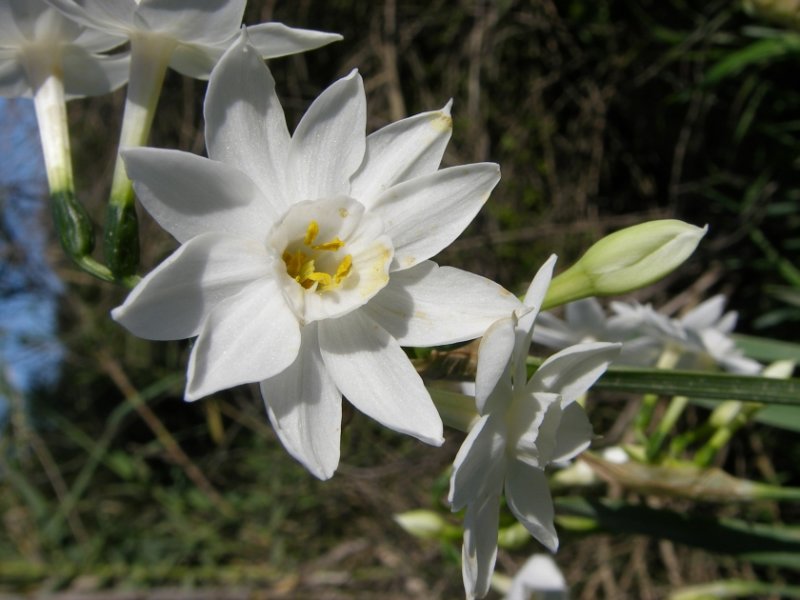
(150, 55)
(72, 222)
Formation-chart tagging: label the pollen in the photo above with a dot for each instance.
(303, 259)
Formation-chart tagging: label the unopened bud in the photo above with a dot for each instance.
(626, 260)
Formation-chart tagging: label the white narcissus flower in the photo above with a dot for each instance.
(586, 321)
(703, 334)
(524, 426)
(38, 43)
(192, 35)
(304, 259)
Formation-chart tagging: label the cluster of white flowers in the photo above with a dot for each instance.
(304, 259)
(701, 338)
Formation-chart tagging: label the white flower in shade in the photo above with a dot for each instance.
(702, 336)
(37, 43)
(524, 426)
(193, 34)
(586, 321)
(538, 579)
(304, 258)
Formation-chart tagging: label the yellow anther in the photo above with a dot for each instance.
(333, 245)
(311, 233)
(343, 270)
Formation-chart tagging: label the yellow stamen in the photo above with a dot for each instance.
(302, 268)
(311, 233)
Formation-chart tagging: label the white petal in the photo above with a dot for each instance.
(425, 214)
(533, 425)
(429, 305)
(586, 316)
(528, 497)
(246, 338)
(375, 375)
(198, 21)
(245, 126)
(174, 299)
(537, 290)
(189, 195)
(92, 75)
(572, 371)
(276, 39)
(574, 433)
(539, 575)
(400, 151)
(197, 61)
(305, 408)
(552, 332)
(113, 16)
(493, 378)
(16, 22)
(328, 144)
(705, 314)
(479, 552)
(479, 467)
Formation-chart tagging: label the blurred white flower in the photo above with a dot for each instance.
(524, 426)
(191, 34)
(303, 263)
(586, 321)
(37, 43)
(702, 336)
(538, 579)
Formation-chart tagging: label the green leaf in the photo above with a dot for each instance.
(735, 589)
(763, 544)
(758, 52)
(714, 386)
(767, 350)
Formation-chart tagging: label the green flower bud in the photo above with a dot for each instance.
(626, 260)
(424, 524)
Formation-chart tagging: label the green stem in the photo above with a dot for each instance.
(71, 220)
(150, 56)
(664, 427)
(668, 359)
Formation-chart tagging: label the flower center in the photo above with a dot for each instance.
(317, 267)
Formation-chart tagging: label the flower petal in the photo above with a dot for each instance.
(479, 467)
(92, 75)
(305, 408)
(705, 314)
(574, 433)
(536, 293)
(174, 299)
(479, 552)
(572, 371)
(245, 126)
(246, 338)
(113, 16)
(375, 375)
(400, 151)
(13, 78)
(328, 144)
(586, 316)
(528, 497)
(273, 40)
(198, 21)
(430, 305)
(189, 195)
(196, 61)
(493, 378)
(425, 214)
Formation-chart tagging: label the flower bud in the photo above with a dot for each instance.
(424, 524)
(626, 260)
